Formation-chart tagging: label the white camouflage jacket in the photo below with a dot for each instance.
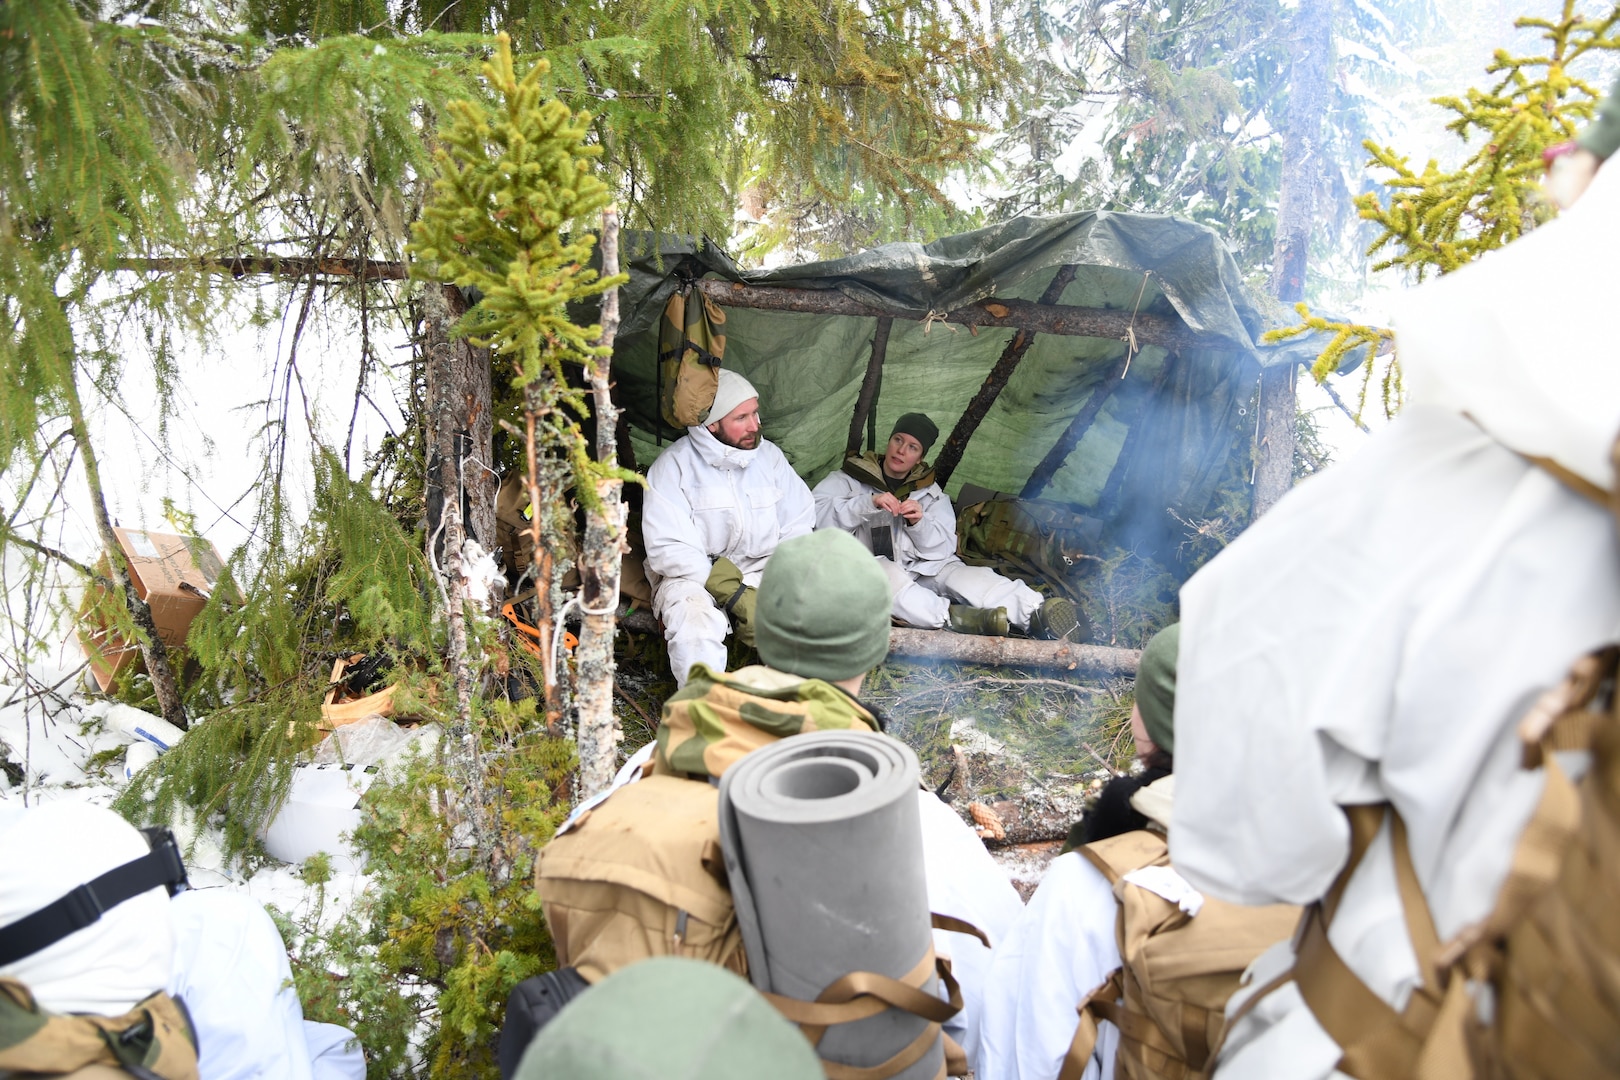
(707, 500)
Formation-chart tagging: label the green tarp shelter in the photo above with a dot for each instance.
(1027, 325)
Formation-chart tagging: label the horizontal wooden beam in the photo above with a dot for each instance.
(1013, 652)
(273, 266)
(1149, 328)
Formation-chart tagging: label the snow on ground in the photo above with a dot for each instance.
(54, 746)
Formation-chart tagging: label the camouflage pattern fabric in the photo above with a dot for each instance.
(715, 719)
(868, 469)
(690, 348)
(1036, 542)
(155, 1036)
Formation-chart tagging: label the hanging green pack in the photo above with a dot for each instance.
(690, 345)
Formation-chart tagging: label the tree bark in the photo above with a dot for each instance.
(153, 651)
(1150, 328)
(464, 759)
(461, 387)
(600, 557)
(1013, 652)
(951, 455)
(867, 401)
(1302, 174)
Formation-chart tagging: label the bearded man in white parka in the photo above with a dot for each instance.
(719, 501)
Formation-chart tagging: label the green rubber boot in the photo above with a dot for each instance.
(1059, 618)
(987, 622)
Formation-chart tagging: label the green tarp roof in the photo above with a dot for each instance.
(1173, 435)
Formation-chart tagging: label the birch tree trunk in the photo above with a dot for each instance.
(600, 557)
(153, 651)
(1302, 174)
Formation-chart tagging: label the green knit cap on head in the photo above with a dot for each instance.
(1156, 687)
(669, 1018)
(919, 427)
(823, 608)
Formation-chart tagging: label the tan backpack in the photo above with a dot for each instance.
(153, 1040)
(640, 875)
(690, 348)
(1168, 997)
(1532, 992)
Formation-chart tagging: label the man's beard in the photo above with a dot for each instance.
(748, 442)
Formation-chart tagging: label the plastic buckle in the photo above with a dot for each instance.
(83, 906)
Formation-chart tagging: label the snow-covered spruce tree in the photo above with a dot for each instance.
(1437, 220)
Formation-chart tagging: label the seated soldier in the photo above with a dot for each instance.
(821, 624)
(890, 503)
(1063, 945)
(718, 502)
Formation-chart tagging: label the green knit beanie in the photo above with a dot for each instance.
(669, 1018)
(823, 608)
(1156, 687)
(919, 427)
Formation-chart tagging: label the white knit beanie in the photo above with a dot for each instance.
(732, 392)
(112, 964)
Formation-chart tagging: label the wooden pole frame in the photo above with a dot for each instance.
(950, 455)
(865, 404)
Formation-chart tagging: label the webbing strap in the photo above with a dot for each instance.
(861, 994)
(910, 1055)
(1084, 1042)
(958, 926)
(161, 867)
(1378, 1043)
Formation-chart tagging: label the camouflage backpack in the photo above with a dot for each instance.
(715, 719)
(153, 1040)
(690, 346)
(1040, 543)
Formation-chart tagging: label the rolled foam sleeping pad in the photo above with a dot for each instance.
(823, 849)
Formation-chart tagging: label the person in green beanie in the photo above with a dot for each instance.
(669, 1018)
(821, 622)
(891, 503)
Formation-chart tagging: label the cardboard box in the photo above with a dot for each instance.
(175, 575)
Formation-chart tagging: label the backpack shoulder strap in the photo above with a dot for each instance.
(1119, 855)
(1085, 1036)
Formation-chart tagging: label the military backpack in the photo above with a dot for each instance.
(690, 347)
(1177, 970)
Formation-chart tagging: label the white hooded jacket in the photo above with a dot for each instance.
(707, 500)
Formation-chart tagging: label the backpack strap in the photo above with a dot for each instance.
(861, 994)
(1084, 1043)
(1378, 1043)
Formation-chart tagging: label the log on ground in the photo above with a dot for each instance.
(1013, 652)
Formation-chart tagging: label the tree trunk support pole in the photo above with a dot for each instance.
(600, 559)
(1055, 457)
(464, 751)
(1012, 652)
(865, 405)
(951, 455)
(1296, 215)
